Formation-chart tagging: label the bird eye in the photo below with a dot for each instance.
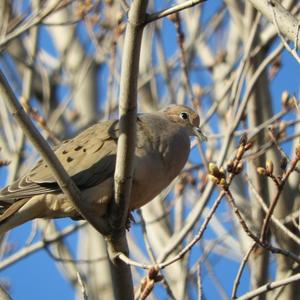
(184, 115)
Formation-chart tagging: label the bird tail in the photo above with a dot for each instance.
(14, 215)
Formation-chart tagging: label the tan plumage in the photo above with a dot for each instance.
(162, 149)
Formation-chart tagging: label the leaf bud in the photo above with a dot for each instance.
(261, 171)
(269, 166)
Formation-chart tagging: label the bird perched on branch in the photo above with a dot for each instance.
(162, 149)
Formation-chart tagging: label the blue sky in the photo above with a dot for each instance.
(37, 276)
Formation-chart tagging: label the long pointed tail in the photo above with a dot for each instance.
(18, 213)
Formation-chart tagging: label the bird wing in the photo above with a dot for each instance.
(88, 158)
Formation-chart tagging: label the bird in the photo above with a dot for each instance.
(161, 151)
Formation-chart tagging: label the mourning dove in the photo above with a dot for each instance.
(162, 149)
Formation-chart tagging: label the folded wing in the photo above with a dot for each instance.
(89, 159)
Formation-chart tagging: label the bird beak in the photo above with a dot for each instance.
(198, 133)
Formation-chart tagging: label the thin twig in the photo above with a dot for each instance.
(283, 228)
(166, 12)
(186, 248)
(240, 271)
(280, 185)
(82, 285)
(199, 282)
(270, 286)
(28, 250)
(245, 227)
(35, 19)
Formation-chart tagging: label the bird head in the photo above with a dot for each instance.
(186, 117)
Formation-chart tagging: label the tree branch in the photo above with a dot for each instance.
(172, 10)
(127, 113)
(122, 279)
(287, 23)
(270, 286)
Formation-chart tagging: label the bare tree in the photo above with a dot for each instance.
(228, 226)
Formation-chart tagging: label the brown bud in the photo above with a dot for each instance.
(283, 163)
(261, 171)
(223, 183)
(172, 17)
(220, 57)
(239, 168)
(201, 175)
(109, 2)
(198, 90)
(73, 115)
(222, 172)
(158, 278)
(269, 166)
(214, 179)
(200, 187)
(249, 145)
(179, 188)
(230, 167)
(153, 272)
(258, 251)
(282, 128)
(191, 180)
(243, 116)
(275, 67)
(42, 121)
(240, 152)
(213, 169)
(4, 163)
(181, 38)
(120, 29)
(285, 99)
(243, 139)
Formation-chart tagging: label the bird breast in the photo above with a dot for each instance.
(154, 170)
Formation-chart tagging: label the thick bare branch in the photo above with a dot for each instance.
(126, 145)
(287, 23)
